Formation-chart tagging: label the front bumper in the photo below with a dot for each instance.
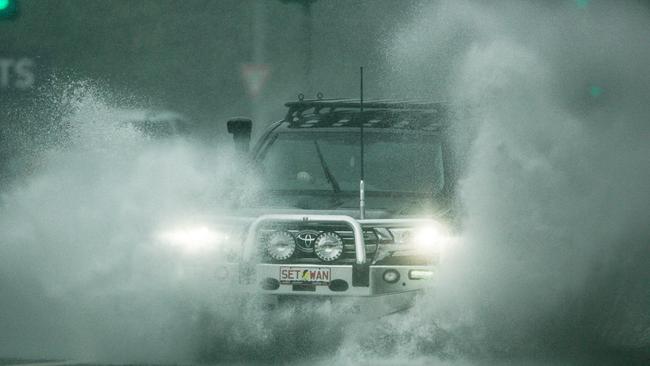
(341, 284)
(359, 279)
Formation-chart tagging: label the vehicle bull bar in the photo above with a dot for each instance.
(360, 269)
(359, 244)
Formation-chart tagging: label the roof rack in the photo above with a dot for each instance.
(377, 113)
(373, 104)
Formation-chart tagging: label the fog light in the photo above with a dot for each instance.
(391, 276)
(417, 274)
(328, 247)
(280, 245)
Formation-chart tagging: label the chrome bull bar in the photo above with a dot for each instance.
(356, 225)
(360, 269)
(359, 243)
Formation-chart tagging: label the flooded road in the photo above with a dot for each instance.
(550, 114)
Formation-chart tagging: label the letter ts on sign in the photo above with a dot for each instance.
(16, 73)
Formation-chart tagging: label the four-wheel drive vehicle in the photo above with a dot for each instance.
(307, 235)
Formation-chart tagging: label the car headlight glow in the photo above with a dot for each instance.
(429, 238)
(193, 239)
(328, 246)
(280, 245)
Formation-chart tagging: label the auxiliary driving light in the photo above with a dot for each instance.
(391, 276)
(280, 245)
(328, 246)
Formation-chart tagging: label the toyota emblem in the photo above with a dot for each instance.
(306, 240)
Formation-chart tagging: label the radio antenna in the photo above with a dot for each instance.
(362, 191)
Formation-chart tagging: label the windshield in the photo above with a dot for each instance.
(402, 162)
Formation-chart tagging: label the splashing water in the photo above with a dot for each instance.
(107, 247)
(554, 254)
(552, 99)
(81, 271)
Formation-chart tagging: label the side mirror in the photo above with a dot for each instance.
(240, 128)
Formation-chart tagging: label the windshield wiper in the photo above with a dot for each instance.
(328, 174)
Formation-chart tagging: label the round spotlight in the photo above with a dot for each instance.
(280, 245)
(391, 276)
(328, 246)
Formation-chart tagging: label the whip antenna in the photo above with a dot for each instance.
(362, 191)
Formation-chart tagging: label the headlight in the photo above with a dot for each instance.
(328, 246)
(280, 245)
(428, 238)
(193, 239)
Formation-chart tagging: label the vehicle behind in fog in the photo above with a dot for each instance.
(156, 123)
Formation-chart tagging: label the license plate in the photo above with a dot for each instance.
(310, 275)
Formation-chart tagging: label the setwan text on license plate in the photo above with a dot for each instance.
(310, 275)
